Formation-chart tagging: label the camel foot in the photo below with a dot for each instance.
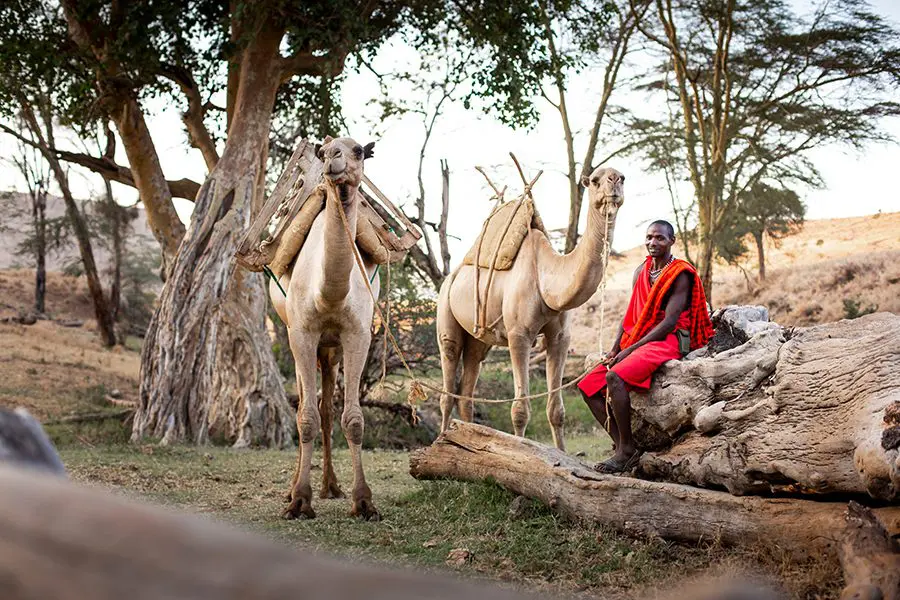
(299, 509)
(331, 489)
(364, 510)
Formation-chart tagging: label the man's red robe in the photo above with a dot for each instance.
(645, 311)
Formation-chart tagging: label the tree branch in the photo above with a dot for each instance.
(181, 188)
(198, 135)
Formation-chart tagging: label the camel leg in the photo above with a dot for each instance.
(474, 353)
(308, 423)
(451, 338)
(557, 347)
(290, 493)
(519, 349)
(356, 344)
(328, 358)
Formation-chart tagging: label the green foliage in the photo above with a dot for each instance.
(791, 83)
(760, 210)
(854, 309)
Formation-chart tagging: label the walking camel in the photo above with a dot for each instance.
(530, 298)
(328, 311)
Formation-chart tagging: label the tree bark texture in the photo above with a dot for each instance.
(792, 411)
(869, 557)
(207, 367)
(644, 508)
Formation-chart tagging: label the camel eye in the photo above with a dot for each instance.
(358, 152)
(321, 152)
(595, 181)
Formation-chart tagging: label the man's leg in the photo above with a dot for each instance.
(621, 409)
(603, 413)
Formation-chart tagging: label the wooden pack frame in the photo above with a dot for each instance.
(303, 173)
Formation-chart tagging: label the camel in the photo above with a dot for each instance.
(532, 297)
(328, 311)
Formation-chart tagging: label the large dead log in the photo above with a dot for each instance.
(799, 411)
(869, 557)
(676, 512)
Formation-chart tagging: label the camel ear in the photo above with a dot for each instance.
(327, 139)
(318, 149)
(369, 150)
(585, 181)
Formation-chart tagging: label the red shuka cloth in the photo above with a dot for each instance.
(645, 311)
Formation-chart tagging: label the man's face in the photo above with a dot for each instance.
(658, 241)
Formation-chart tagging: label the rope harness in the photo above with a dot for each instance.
(417, 386)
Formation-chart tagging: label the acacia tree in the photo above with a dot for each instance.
(754, 87)
(762, 210)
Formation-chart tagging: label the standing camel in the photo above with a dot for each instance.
(328, 311)
(532, 297)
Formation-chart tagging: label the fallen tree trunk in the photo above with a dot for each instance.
(672, 511)
(795, 411)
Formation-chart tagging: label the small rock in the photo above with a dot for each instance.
(117, 394)
(28, 319)
(629, 557)
(581, 454)
(431, 543)
(459, 557)
(518, 507)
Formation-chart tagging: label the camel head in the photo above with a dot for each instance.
(605, 186)
(344, 159)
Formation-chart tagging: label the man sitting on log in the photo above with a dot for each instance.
(666, 318)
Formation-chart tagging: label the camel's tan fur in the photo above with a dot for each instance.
(529, 299)
(328, 311)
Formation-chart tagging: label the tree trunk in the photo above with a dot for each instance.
(115, 223)
(798, 411)
(761, 253)
(39, 215)
(105, 323)
(676, 512)
(207, 367)
(149, 179)
(445, 210)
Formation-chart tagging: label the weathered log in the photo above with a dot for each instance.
(672, 511)
(869, 557)
(790, 410)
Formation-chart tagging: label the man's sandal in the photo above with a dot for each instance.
(612, 466)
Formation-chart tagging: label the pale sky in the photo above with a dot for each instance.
(857, 184)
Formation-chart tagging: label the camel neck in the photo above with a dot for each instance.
(569, 281)
(339, 260)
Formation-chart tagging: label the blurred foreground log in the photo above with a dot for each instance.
(646, 508)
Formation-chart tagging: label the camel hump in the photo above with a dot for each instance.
(503, 233)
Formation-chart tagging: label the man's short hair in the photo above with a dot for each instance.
(668, 226)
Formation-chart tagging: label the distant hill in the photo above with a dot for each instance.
(810, 276)
(15, 212)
